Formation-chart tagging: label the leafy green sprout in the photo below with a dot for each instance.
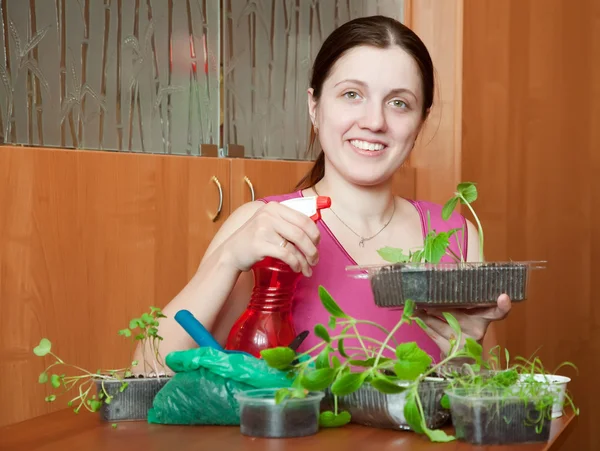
(437, 244)
(145, 329)
(317, 369)
(514, 381)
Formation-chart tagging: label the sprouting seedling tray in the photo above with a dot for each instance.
(447, 284)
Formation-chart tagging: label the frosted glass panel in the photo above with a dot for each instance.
(128, 75)
(269, 46)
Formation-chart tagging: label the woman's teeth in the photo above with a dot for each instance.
(364, 145)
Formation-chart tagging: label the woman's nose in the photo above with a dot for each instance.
(373, 118)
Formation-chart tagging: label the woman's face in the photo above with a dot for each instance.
(369, 113)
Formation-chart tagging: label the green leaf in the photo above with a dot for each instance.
(341, 348)
(335, 362)
(506, 356)
(136, 322)
(329, 304)
(43, 378)
(412, 361)
(147, 319)
(435, 246)
(421, 323)
(125, 332)
(279, 358)
(348, 383)
(453, 323)
(474, 349)
(114, 425)
(95, 405)
(55, 380)
(332, 322)
(445, 401)
(412, 414)
(43, 348)
(123, 387)
(386, 385)
(417, 256)
(282, 394)
(468, 190)
(322, 333)
(393, 255)
(318, 380)
(409, 309)
(368, 363)
(328, 419)
(323, 358)
(439, 436)
(50, 398)
(449, 208)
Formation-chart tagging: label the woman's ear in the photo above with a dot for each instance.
(312, 107)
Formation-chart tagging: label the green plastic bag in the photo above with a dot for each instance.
(202, 390)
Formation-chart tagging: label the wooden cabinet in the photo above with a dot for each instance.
(259, 178)
(89, 240)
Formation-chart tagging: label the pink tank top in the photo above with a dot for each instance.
(353, 295)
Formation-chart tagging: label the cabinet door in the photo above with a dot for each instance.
(89, 240)
(259, 178)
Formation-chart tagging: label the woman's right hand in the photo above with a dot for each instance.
(277, 231)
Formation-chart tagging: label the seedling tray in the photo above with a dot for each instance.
(489, 420)
(447, 284)
(134, 402)
(370, 407)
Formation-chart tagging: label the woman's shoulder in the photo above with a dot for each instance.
(280, 197)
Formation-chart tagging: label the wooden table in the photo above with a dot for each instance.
(66, 431)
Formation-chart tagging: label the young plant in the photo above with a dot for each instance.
(147, 336)
(437, 244)
(504, 384)
(318, 369)
(145, 330)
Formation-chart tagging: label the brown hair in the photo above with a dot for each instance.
(377, 31)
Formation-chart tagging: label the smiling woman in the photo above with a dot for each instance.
(370, 93)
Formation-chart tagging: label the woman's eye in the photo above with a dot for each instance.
(351, 95)
(399, 103)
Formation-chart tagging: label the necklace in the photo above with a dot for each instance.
(361, 243)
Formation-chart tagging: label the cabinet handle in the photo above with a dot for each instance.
(249, 183)
(220, 208)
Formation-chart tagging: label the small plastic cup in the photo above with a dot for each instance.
(558, 386)
(293, 417)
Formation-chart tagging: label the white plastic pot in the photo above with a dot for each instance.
(559, 386)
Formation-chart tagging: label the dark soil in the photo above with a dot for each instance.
(499, 424)
(480, 284)
(283, 421)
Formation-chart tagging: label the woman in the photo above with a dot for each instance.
(371, 90)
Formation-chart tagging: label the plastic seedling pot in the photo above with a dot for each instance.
(447, 284)
(133, 403)
(260, 416)
(558, 385)
(489, 418)
(370, 407)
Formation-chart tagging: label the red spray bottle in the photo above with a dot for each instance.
(267, 321)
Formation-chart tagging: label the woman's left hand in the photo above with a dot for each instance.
(473, 322)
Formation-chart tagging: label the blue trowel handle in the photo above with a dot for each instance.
(196, 330)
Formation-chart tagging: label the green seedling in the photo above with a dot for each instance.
(143, 329)
(318, 369)
(437, 244)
